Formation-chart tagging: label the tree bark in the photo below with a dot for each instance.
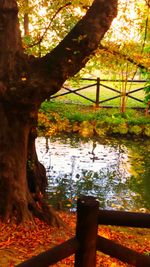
(24, 83)
(13, 155)
(22, 176)
(26, 19)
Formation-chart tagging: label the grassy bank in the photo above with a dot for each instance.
(56, 117)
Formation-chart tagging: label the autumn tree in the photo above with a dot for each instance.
(25, 82)
(126, 43)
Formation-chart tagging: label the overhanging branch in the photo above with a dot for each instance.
(124, 56)
(74, 50)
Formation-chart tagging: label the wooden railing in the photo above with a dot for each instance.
(86, 242)
(98, 84)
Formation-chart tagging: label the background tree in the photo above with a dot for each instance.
(25, 82)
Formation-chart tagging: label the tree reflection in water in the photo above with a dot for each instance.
(116, 172)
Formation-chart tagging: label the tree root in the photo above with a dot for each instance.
(23, 212)
(42, 210)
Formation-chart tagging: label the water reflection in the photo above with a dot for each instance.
(117, 172)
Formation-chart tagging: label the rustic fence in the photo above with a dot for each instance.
(86, 242)
(98, 84)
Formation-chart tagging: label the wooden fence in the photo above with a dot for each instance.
(98, 84)
(86, 242)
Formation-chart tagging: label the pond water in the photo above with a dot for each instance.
(116, 172)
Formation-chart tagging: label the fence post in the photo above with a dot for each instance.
(86, 231)
(97, 92)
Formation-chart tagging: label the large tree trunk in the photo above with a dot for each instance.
(22, 176)
(14, 192)
(24, 83)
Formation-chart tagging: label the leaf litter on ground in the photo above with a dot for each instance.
(19, 243)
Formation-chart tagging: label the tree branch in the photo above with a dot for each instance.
(75, 49)
(147, 3)
(124, 56)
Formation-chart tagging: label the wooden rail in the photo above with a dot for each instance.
(86, 242)
(98, 84)
(53, 255)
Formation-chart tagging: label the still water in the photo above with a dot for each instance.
(117, 172)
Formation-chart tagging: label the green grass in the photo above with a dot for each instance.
(105, 94)
(77, 109)
(76, 112)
